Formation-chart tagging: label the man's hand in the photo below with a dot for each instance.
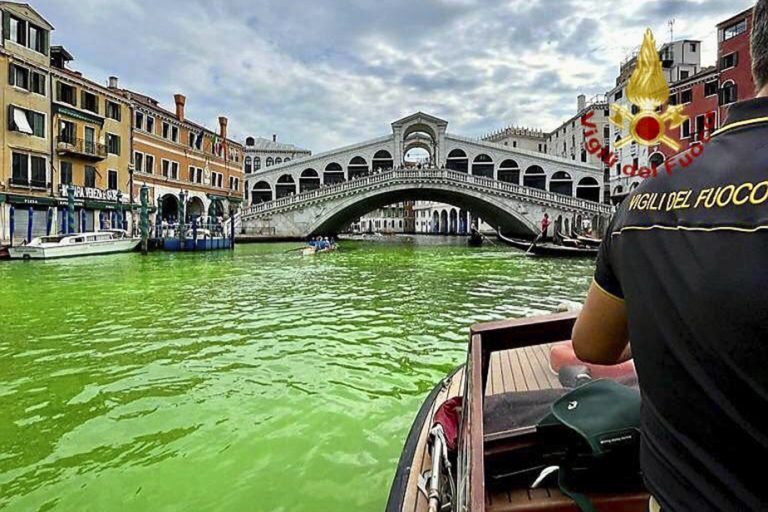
(600, 335)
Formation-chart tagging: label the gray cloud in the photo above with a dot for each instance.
(332, 72)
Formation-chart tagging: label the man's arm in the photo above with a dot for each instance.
(600, 335)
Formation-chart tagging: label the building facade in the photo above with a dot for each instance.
(27, 191)
(396, 218)
(180, 159)
(261, 153)
(734, 60)
(569, 140)
(520, 137)
(91, 140)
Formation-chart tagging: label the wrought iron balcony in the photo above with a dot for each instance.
(80, 147)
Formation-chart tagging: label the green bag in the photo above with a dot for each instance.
(604, 455)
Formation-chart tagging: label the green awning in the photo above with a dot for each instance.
(76, 114)
(2, 198)
(30, 200)
(101, 205)
(235, 199)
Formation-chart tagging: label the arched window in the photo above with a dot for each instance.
(483, 166)
(286, 186)
(588, 188)
(509, 172)
(728, 93)
(248, 165)
(261, 192)
(382, 161)
(333, 174)
(457, 161)
(270, 162)
(309, 180)
(250, 141)
(656, 160)
(535, 177)
(287, 159)
(278, 161)
(561, 183)
(256, 163)
(357, 168)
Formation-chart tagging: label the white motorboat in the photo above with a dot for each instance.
(76, 244)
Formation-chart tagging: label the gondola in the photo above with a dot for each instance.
(589, 241)
(549, 249)
(475, 239)
(508, 362)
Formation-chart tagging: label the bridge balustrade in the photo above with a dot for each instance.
(420, 175)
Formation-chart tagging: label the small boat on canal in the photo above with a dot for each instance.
(549, 249)
(199, 239)
(475, 238)
(77, 244)
(589, 241)
(477, 443)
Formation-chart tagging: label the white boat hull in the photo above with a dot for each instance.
(70, 251)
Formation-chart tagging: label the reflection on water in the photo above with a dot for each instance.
(253, 380)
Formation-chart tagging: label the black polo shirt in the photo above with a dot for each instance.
(688, 253)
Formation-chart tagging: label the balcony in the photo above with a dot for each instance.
(88, 150)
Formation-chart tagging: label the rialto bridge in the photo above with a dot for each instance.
(508, 187)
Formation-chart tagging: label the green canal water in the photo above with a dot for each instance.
(253, 380)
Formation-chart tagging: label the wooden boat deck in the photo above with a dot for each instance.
(522, 369)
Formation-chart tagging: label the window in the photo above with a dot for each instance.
(174, 133)
(28, 170)
(686, 96)
(149, 164)
(66, 93)
(191, 140)
(635, 109)
(607, 132)
(248, 165)
(734, 30)
(269, 161)
(37, 121)
(112, 180)
(138, 161)
(693, 47)
(89, 102)
(166, 165)
(199, 175)
(710, 88)
(112, 110)
(18, 76)
(113, 144)
(278, 161)
(729, 61)
(728, 94)
(684, 74)
(90, 177)
(18, 30)
(38, 39)
(685, 130)
(20, 165)
(514, 143)
(67, 133)
(139, 121)
(619, 94)
(37, 81)
(26, 121)
(256, 163)
(166, 130)
(192, 174)
(150, 124)
(699, 127)
(175, 170)
(65, 172)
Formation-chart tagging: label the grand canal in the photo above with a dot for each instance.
(253, 380)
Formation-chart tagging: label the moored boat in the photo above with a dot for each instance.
(76, 244)
(498, 449)
(589, 241)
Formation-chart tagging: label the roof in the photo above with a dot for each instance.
(29, 11)
(263, 144)
(743, 14)
(153, 104)
(420, 115)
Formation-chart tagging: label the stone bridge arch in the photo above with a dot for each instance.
(495, 210)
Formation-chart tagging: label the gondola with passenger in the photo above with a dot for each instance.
(541, 248)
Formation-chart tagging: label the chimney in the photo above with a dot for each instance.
(223, 133)
(274, 137)
(113, 82)
(180, 100)
(581, 103)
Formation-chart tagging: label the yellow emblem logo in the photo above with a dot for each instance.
(647, 90)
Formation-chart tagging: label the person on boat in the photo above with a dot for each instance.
(545, 222)
(686, 283)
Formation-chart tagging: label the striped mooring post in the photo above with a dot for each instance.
(144, 221)
(70, 209)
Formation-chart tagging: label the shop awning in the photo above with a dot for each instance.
(21, 121)
(30, 200)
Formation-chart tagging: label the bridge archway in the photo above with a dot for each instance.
(457, 161)
(490, 208)
(509, 171)
(588, 188)
(333, 174)
(561, 183)
(535, 177)
(357, 168)
(261, 193)
(286, 186)
(483, 166)
(309, 180)
(382, 160)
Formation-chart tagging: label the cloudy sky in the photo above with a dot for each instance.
(325, 73)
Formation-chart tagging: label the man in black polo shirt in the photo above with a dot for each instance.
(683, 273)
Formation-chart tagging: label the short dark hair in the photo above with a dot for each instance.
(760, 44)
